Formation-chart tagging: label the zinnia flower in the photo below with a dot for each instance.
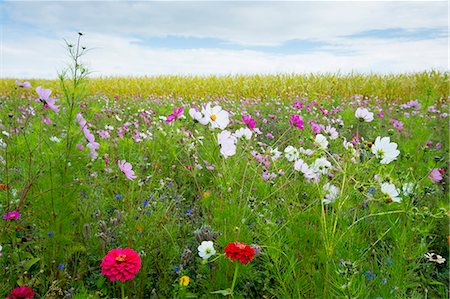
(22, 292)
(127, 170)
(239, 251)
(121, 264)
(11, 215)
(385, 150)
(206, 250)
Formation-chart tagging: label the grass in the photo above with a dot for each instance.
(75, 208)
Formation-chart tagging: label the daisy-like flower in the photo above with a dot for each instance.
(247, 119)
(215, 116)
(321, 141)
(14, 215)
(385, 150)
(44, 96)
(436, 175)
(227, 142)
(435, 258)
(391, 191)
(184, 281)
(206, 250)
(121, 264)
(291, 153)
(275, 153)
(364, 115)
(23, 85)
(243, 132)
(195, 114)
(239, 251)
(127, 170)
(332, 193)
(321, 165)
(296, 121)
(177, 113)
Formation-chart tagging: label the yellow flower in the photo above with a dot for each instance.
(184, 281)
(206, 194)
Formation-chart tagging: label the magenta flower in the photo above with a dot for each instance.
(247, 119)
(296, 121)
(44, 96)
(127, 170)
(177, 113)
(23, 85)
(14, 215)
(436, 175)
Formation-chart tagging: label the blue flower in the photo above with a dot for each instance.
(50, 234)
(371, 190)
(176, 269)
(369, 275)
(119, 196)
(145, 202)
(61, 266)
(189, 212)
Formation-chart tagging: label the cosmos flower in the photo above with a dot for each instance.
(206, 250)
(385, 150)
(177, 113)
(22, 292)
(296, 121)
(239, 251)
(227, 143)
(436, 175)
(331, 195)
(121, 264)
(127, 170)
(249, 121)
(215, 116)
(195, 114)
(23, 85)
(291, 153)
(243, 132)
(321, 141)
(391, 191)
(44, 96)
(364, 115)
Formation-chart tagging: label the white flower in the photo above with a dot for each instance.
(307, 152)
(391, 191)
(291, 153)
(227, 143)
(332, 193)
(300, 165)
(217, 117)
(5, 133)
(321, 141)
(55, 139)
(408, 189)
(196, 115)
(243, 132)
(364, 114)
(433, 257)
(2, 143)
(1, 250)
(275, 153)
(348, 145)
(206, 250)
(321, 165)
(332, 132)
(385, 150)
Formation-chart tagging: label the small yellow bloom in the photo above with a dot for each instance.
(184, 281)
(139, 228)
(206, 194)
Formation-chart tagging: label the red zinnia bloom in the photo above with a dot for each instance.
(121, 264)
(22, 292)
(241, 251)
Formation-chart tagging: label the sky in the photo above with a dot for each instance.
(146, 38)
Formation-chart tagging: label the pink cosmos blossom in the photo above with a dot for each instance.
(177, 113)
(23, 85)
(296, 121)
(44, 96)
(297, 105)
(127, 170)
(14, 215)
(380, 114)
(436, 174)
(438, 145)
(247, 119)
(46, 121)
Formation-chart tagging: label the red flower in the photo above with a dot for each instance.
(121, 264)
(241, 251)
(22, 292)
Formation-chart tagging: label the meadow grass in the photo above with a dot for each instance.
(322, 227)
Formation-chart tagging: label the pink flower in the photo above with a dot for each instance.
(247, 119)
(127, 170)
(296, 121)
(121, 264)
(177, 112)
(22, 292)
(23, 85)
(14, 215)
(44, 96)
(47, 121)
(436, 175)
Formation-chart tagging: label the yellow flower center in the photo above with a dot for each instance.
(121, 258)
(213, 117)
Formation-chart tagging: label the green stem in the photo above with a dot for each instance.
(236, 270)
(122, 287)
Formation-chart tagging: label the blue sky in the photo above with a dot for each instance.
(218, 37)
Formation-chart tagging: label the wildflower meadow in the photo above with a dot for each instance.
(264, 186)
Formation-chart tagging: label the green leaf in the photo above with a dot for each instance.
(225, 292)
(27, 266)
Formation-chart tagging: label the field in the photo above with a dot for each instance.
(275, 186)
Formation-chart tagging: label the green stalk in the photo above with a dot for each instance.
(236, 270)
(122, 288)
